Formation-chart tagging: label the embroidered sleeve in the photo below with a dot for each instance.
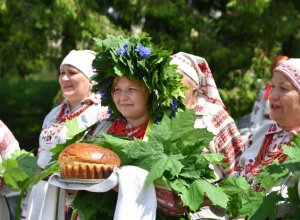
(228, 141)
(8, 143)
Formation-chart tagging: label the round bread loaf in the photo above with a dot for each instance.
(87, 161)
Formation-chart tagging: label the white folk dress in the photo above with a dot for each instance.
(8, 144)
(276, 137)
(43, 197)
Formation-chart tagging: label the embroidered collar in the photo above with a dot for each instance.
(274, 128)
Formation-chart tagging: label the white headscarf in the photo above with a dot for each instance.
(198, 70)
(291, 69)
(82, 60)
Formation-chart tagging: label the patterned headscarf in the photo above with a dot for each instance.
(291, 69)
(198, 70)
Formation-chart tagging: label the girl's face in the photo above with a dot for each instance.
(131, 98)
(74, 85)
(284, 102)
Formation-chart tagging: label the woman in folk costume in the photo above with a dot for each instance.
(139, 86)
(203, 96)
(265, 145)
(8, 145)
(261, 109)
(81, 108)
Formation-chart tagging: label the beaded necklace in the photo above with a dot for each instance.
(119, 127)
(69, 116)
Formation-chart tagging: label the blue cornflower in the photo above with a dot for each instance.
(143, 51)
(157, 120)
(103, 93)
(119, 52)
(174, 104)
(124, 51)
(110, 112)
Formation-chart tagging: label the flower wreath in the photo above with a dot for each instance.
(138, 58)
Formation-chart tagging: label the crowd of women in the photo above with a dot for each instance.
(125, 87)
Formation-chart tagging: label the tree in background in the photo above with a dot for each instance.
(238, 38)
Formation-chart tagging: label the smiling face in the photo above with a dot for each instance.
(131, 98)
(284, 102)
(74, 85)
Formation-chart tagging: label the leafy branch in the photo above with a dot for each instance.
(174, 153)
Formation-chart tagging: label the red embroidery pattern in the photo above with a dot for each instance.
(119, 127)
(205, 70)
(7, 140)
(265, 156)
(185, 61)
(291, 69)
(219, 118)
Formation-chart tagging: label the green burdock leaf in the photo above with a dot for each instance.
(135, 149)
(243, 200)
(172, 152)
(13, 173)
(215, 158)
(194, 196)
(88, 209)
(271, 174)
(293, 152)
(268, 208)
(171, 164)
(294, 194)
(182, 127)
(250, 202)
(18, 168)
(234, 185)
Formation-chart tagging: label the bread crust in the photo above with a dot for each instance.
(87, 161)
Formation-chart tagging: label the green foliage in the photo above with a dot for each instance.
(240, 96)
(220, 31)
(88, 209)
(18, 168)
(27, 102)
(243, 200)
(173, 152)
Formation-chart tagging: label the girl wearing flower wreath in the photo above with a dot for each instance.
(8, 145)
(140, 86)
(80, 107)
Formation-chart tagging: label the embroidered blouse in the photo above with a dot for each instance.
(263, 147)
(8, 143)
(227, 138)
(54, 130)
